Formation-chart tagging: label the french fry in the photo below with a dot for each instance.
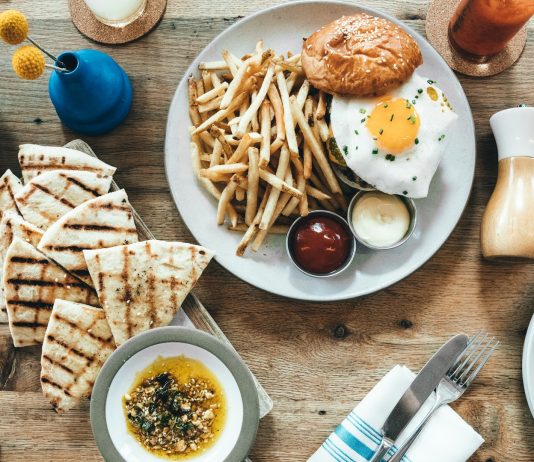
(224, 169)
(316, 148)
(236, 82)
(200, 92)
(220, 115)
(212, 105)
(216, 154)
(276, 145)
(303, 93)
(281, 171)
(248, 140)
(218, 134)
(265, 150)
(256, 102)
(208, 185)
(274, 229)
(249, 234)
(253, 184)
(230, 63)
(239, 194)
(277, 183)
(193, 107)
(224, 200)
(321, 106)
(215, 81)
(317, 193)
(213, 93)
(213, 66)
(288, 119)
(322, 127)
(276, 102)
(208, 85)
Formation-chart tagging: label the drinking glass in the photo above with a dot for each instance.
(479, 29)
(117, 13)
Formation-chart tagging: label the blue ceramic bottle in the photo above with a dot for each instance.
(94, 96)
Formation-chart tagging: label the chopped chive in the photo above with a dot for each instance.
(386, 106)
(416, 141)
(356, 147)
(412, 119)
(408, 105)
(441, 137)
(414, 178)
(430, 82)
(391, 118)
(413, 101)
(405, 192)
(356, 131)
(416, 96)
(381, 131)
(346, 150)
(362, 121)
(390, 157)
(375, 151)
(419, 90)
(362, 111)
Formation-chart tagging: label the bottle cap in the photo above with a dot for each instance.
(514, 132)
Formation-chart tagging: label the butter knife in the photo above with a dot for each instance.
(418, 392)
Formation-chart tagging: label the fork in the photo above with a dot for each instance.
(456, 381)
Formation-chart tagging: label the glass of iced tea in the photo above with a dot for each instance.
(479, 29)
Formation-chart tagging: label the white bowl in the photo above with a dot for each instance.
(528, 366)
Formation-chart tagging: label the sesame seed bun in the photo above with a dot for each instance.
(360, 55)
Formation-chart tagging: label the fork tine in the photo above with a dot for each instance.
(466, 355)
(470, 379)
(474, 361)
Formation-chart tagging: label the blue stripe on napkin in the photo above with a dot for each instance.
(352, 437)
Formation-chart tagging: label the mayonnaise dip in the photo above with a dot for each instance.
(379, 219)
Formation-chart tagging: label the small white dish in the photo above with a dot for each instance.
(108, 419)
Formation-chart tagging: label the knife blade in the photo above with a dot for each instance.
(418, 392)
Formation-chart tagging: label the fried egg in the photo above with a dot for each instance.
(394, 142)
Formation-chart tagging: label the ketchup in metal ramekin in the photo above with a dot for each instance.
(321, 244)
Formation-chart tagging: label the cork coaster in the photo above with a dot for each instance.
(88, 25)
(437, 32)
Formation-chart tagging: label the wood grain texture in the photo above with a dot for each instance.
(315, 360)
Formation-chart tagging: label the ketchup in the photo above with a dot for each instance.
(321, 244)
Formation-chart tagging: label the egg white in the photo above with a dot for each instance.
(411, 172)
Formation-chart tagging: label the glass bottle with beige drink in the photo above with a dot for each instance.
(508, 221)
(117, 13)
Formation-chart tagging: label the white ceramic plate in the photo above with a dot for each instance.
(282, 28)
(528, 366)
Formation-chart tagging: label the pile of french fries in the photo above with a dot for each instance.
(258, 143)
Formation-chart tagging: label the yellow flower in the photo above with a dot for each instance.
(28, 62)
(13, 27)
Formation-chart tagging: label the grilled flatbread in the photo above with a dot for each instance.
(77, 343)
(35, 160)
(141, 286)
(49, 196)
(102, 222)
(32, 283)
(9, 186)
(13, 225)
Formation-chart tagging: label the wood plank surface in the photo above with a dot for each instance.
(316, 360)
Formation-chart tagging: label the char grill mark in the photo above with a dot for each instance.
(47, 380)
(116, 229)
(58, 364)
(55, 196)
(81, 354)
(81, 185)
(32, 261)
(81, 330)
(32, 304)
(41, 283)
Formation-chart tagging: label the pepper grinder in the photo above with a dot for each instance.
(507, 230)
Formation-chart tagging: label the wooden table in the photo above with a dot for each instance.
(315, 360)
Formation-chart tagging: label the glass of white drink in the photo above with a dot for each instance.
(117, 13)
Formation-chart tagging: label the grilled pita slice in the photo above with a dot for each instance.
(106, 221)
(49, 196)
(35, 160)
(77, 343)
(141, 286)
(10, 185)
(32, 283)
(13, 225)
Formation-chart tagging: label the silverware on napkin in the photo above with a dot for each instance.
(456, 381)
(421, 388)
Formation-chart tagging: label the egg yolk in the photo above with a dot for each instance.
(394, 123)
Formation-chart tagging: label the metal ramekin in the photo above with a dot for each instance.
(413, 221)
(339, 219)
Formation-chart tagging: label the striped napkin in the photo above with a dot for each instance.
(445, 438)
